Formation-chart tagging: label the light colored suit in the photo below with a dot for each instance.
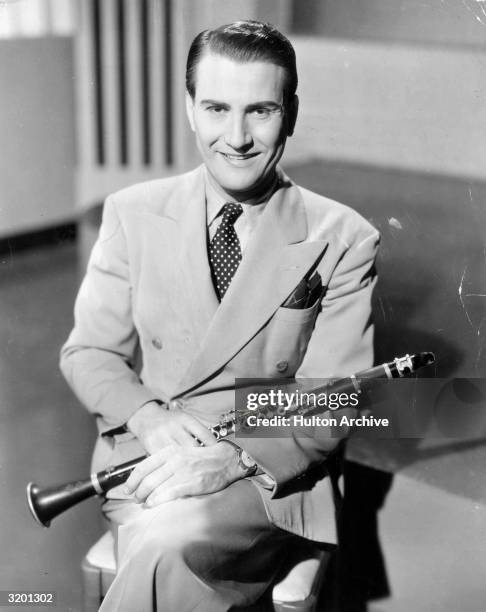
(149, 282)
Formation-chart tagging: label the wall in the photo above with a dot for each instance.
(393, 106)
(436, 22)
(37, 134)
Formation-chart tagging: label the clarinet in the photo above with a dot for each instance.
(48, 502)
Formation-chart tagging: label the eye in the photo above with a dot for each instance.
(216, 110)
(261, 112)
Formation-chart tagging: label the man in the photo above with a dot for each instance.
(204, 272)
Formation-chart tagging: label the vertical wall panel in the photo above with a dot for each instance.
(99, 86)
(85, 94)
(170, 68)
(121, 52)
(146, 81)
(130, 59)
(182, 22)
(158, 110)
(134, 84)
(109, 72)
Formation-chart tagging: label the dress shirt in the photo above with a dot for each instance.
(246, 223)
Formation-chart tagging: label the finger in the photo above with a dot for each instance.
(185, 438)
(200, 432)
(195, 442)
(145, 467)
(151, 482)
(168, 493)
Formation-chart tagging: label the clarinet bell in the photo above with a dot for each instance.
(36, 505)
(47, 503)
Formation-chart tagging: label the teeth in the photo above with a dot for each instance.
(237, 156)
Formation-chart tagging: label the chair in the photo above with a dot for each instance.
(297, 589)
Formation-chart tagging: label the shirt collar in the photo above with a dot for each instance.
(215, 200)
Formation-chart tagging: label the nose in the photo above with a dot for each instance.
(237, 134)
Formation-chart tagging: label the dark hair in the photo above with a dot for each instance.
(245, 41)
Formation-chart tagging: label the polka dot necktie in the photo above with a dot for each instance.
(224, 250)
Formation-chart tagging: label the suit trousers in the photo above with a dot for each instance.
(205, 553)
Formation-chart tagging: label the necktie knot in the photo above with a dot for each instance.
(231, 212)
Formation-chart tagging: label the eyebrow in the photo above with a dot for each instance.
(268, 103)
(213, 103)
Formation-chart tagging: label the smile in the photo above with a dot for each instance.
(236, 157)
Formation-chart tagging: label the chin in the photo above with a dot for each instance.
(240, 181)
(237, 185)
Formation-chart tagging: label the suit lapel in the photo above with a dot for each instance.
(196, 286)
(275, 260)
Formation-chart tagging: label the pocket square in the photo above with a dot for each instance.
(315, 290)
(307, 292)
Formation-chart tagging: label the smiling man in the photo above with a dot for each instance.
(241, 116)
(230, 271)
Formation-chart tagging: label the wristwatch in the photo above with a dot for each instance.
(246, 463)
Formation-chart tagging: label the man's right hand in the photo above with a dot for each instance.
(155, 427)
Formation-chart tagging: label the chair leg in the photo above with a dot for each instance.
(91, 587)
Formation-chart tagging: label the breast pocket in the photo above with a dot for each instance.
(288, 335)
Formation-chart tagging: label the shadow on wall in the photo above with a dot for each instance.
(432, 260)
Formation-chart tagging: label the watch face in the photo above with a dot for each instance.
(247, 461)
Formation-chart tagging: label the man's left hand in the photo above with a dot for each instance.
(181, 471)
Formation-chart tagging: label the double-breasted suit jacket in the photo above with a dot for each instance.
(148, 286)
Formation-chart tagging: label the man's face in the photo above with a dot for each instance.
(240, 122)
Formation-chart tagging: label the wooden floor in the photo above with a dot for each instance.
(45, 435)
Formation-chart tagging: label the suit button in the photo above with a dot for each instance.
(157, 343)
(282, 366)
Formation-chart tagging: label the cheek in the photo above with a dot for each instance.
(207, 132)
(270, 136)
(202, 135)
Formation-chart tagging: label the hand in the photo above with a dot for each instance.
(156, 428)
(181, 471)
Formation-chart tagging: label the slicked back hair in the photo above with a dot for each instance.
(245, 41)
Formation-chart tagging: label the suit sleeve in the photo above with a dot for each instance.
(98, 357)
(341, 344)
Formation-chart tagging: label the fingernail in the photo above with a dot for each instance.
(149, 503)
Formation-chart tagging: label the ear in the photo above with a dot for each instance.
(292, 111)
(190, 110)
